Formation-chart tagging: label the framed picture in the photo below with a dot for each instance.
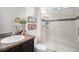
(32, 26)
(32, 19)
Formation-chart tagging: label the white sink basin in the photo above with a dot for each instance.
(12, 39)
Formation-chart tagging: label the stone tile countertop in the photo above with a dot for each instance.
(5, 46)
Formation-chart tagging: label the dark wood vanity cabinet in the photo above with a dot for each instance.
(27, 46)
(13, 49)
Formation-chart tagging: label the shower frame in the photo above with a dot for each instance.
(56, 20)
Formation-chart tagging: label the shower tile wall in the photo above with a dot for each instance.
(62, 36)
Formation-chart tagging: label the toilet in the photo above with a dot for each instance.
(40, 48)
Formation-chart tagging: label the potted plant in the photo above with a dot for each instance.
(23, 22)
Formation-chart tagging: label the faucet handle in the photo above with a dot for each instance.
(23, 32)
(12, 33)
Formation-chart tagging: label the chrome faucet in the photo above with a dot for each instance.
(12, 33)
(23, 32)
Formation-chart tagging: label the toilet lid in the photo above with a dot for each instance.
(40, 47)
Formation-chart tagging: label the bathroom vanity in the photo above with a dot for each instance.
(24, 45)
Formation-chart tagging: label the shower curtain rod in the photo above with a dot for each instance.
(67, 19)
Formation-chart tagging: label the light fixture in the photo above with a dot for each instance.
(46, 10)
(44, 14)
(43, 10)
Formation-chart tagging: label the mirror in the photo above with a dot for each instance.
(7, 18)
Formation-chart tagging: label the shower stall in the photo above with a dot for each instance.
(59, 32)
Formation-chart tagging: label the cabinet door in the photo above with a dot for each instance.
(28, 46)
(14, 49)
(25, 47)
